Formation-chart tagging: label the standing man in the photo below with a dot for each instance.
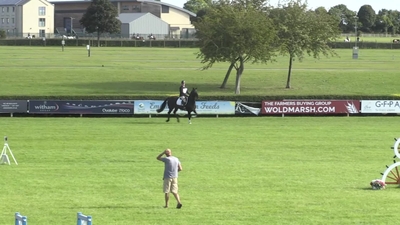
(171, 169)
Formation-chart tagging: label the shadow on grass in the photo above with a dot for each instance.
(145, 121)
(370, 189)
(116, 207)
(102, 207)
(158, 121)
(140, 87)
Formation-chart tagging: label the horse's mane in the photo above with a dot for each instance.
(192, 96)
(194, 91)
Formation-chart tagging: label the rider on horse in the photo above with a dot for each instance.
(183, 93)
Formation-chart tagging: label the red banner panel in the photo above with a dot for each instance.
(310, 107)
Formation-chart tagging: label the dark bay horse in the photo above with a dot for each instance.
(190, 106)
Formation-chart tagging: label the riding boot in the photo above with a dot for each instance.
(184, 104)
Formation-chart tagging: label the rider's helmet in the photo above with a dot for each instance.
(182, 82)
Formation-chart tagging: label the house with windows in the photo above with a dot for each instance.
(67, 14)
(28, 18)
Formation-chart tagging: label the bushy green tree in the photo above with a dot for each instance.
(321, 10)
(366, 15)
(196, 5)
(387, 21)
(395, 15)
(235, 32)
(345, 18)
(101, 17)
(302, 31)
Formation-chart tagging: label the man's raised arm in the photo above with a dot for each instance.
(160, 155)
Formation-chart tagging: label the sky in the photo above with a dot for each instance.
(353, 5)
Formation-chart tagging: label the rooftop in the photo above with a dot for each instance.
(144, 1)
(129, 17)
(9, 2)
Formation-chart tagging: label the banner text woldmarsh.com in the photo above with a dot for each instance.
(310, 107)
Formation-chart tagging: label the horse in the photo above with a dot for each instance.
(137, 37)
(189, 107)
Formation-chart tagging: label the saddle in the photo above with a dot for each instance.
(181, 101)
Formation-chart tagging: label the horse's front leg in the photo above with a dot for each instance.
(190, 117)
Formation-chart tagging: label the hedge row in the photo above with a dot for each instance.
(365, 45)
(104, 43)
(242, 98)
(179, 43)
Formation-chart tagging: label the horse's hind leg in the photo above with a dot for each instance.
(177, 118)
(169, 114)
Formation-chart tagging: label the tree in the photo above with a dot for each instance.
(3, 34)
(366, 15)
(387, 21)
(199, 15)
(344, 17)
(384, 21)
(196, 5)
(101, 17)
(395, 15)
(301, 31)
(321, 10)
(235, 33)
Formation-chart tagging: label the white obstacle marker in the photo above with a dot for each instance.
(20, 220)
(4, 157)
(83, 219)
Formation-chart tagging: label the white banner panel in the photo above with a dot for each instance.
(380, 106)
(202, 107)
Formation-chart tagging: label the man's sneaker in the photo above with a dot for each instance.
(179, 206)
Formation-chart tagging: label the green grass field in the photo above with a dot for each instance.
(269, 170)
(47, 71)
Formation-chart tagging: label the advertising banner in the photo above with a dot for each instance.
(81, 107)
(310, 107)
(380, 106)
(202, 107)
(247, 109)
(13, 106)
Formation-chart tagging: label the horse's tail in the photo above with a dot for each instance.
(162, 107)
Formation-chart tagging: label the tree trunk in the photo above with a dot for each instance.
(239, 73)
(223, 85)
(289, 72)
(98, 39)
